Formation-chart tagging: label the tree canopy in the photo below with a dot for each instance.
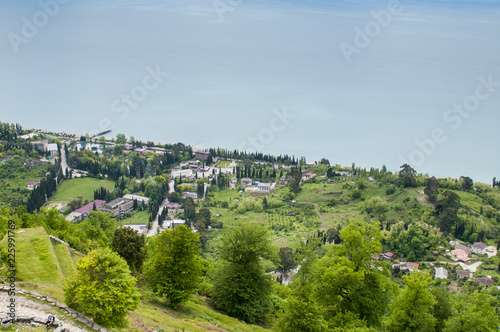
(103, 288)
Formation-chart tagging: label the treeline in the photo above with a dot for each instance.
(45, 189)
(10, 132)
(253, 156)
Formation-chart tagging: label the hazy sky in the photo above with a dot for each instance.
(375, 82)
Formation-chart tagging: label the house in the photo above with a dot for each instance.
(53, 149)
(308, 176)
(246, 182)
(345, 173)
(32, 185)
(40, 145)
(464, 248)
(140, 151)
(485, 281)
(118, 207)
(310, 163)
(86, 210)
(412, 266)
(479, 248)
(370, 179)
(441, 273)
(463, 274)
(264, 187)
(127, 146)
(202, 155)
(234, 180)
(172, 207)
(183, 173)
(184, 163)
(459, 253)
(387, 256)
(190, 194)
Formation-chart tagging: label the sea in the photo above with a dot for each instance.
(370, 82)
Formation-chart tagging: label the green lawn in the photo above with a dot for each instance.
(35, 258)
(223, 163)
(70, 189)
(139, 218)
(65, 259)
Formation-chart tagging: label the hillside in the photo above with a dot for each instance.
(43, 265)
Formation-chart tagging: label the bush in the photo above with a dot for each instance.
(390, 190)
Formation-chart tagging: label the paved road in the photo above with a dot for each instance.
(64, 164)
(154, 227)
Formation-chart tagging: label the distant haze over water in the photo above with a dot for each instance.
(283, 76)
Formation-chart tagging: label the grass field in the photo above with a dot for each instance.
(65, 260)
(35, 258)
(73, 188)
(139, 218)
(223, 163)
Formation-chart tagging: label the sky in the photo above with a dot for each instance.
(371, 82)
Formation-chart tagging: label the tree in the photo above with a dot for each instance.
(471, 313)
(447, 210)
(130, 246)
(431, 189)
(407, 176)
(325, 161)
(442, 308)
(205, 214)
(121, 139)
(412, 310)
(348, 283)
(189, 209)
(103, 288)
(466, 183)
(301, 312)
(287, 259)
(173, 267)
(241, 287)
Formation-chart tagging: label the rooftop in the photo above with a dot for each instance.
(90, 206)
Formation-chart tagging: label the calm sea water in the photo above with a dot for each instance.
(294, 77)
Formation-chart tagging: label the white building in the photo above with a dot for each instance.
(190, 194)
(441, 273)
(140, 199)
(183, 173)
(264, 187)
(479, 248)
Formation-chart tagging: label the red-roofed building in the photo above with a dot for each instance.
(412, 266)
(387, 256)
(84, 211)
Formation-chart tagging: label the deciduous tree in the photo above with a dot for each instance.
(173, 267)
(103, 288)
(241, 287)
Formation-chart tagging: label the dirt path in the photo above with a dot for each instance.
(323, 227)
